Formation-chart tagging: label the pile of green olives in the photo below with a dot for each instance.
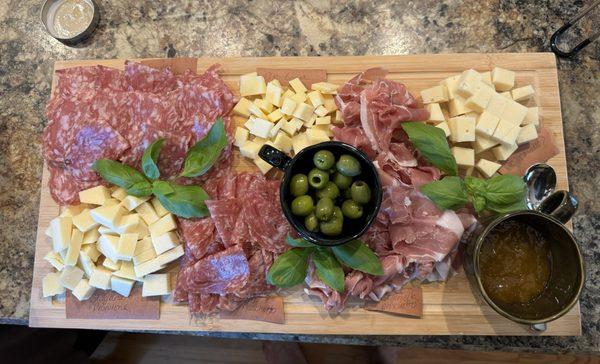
(329, 193)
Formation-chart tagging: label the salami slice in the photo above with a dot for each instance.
(140, 77)
(73, 81)
(228, 219)
(199, 236)
(64, 188)
(221, 273)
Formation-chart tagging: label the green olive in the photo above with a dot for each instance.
(324, 209)
(335, 225)
(302, 205)
(324, 160)
(343, 182)
(299, 185)
(351, 209)
(348, 166)
(330, 190)
(311, 223)
(361, 193)
(337, 213)
(318, 178)
(348, 193)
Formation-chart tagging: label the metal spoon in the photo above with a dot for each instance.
(541, 182)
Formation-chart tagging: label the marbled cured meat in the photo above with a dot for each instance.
(221, 273)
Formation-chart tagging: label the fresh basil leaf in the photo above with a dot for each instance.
(448, 193)
(150, 157)
(432, 144)
(289, 269)
(479, 203)
(298, 243)
(185, 201)
(122, 175)
(205, 152)
(475, 185)
(329, 269)
(356, 255)
(162, 188)
(503, 209)
(505, 190)
(140, 189)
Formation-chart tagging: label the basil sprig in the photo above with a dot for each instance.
(448, 193)
(432, 144)
(181, 200)
(289, 269)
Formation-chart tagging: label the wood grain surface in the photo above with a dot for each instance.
(449, 308)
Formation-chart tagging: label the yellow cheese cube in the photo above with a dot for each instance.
(144, 256)
(532, 116)
(325, 87)
(496, 105)
(51, 285)
(127, 224)
(121, 285)
(288, 94)
(263, 105)
(100, 278)
(316, 98)
(481, 144)
(502, 129)
(315, 135)
(61, 228)
(261, 128)
(486, 77)
(468, 83)
(502, 152)
(506, 94)
(142, 229)
(444, 126)
(83, 290)
(511, 137)
(85, 263)
(299, 97)
(171, 255)
(107, 215)
(321, 111)
(297, 85)
(263, 166)
(299, 142)
(514, 112)
(527, 134)
(55, 260)
(329, 103)
(143, 245)
(465, 157)
(156, 285)
(74, 248)
(288, 107)
(132, 202)
(480, 98)
(303, 111)
(126, 246)
(274, 94)
(434, 94)
(338, 117)
(110, 264)
(147, 267)
(119, 194)
(457, 106)
(241, 108)
(487, 168)
(486, 124)
(240, 137)
(95, 195)
(91, 251)
(451, 83)
(503, 79)
(147, 213)
(310, 122)
(103, 230)
(126, 271)
(283, 142)
(275, 115)
(252, 84)
(325, 120)
(435, 113)
(256, 111)
(164, 242)
(159, 208)
(72, 210)
(462, 129)
(250, 149)
(296, 123)
(70, 276)
(107, 245)
(522, 93)
(165, 224)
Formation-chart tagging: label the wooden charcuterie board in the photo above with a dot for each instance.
(449, 308)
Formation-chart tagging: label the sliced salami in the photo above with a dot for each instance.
(225, 272)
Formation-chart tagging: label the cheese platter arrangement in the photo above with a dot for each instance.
(305, 195)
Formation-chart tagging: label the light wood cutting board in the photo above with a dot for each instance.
(450, 308)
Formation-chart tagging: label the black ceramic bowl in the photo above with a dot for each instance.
(303, 163)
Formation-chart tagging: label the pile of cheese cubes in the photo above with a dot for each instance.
(485, 121)
(110, 241)
(285, 118)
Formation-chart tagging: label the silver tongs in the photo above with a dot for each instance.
(565, 27)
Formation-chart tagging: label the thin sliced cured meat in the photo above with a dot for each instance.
(200, 303)
(259, 264)
(140, 77)
(75, 80)
(221, 273)
(64, 188)
(228, 219)
(199, 236)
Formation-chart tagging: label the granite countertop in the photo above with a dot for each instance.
(147, 28)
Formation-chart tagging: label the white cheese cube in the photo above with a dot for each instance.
(487, 168)
(465, 157)
(132, 202)
(256, 111)
(252, 84)
(288, 107)
(72, 210)
(511, 137)
(261, 128)
(444, 126)
(434, 94)
(70, 276)
(103, 230)
(274, 94)
(95, 195)
(297, 85)
(147, 213)
(502, 152)
(325, 87)
(325, 120)
(462, 129)
(480, 99)
(514, 112)
(296, 123)
(111, 264)
(119, 194)
(147, 267)
(486, 77)
(300, 142)
(84, 222)
(527, 134)
(91, 251)
(83, 290)
(107, 215)
(435, 113)
(451, 83)
(250, 149)
(522, 93)
(275, 115)
(143, 245)
(329, 103)
(311, 122)
(74, 248)
(171, 255)
(321, 111)
(503, 79)
(289, 127)
(496, 105)
(90, 237)
(457, 106)
(316, 98)
(315, 136)
(249, 123)
(85, 263)
(283, 142)
(299, 97)
(263, 166)
(502, 129)
(126, 271)
(482, 143)
(121, 285)
(325, 128)
(100, 278)
(303, 111)
(275, 129)
(55, 260)
(144, 256)
(51, 285)
(165, 224)
(263, 105)
(61, 228)
(241, 108)
(156, 285)
(126, 246)
(486, 124)
(164, 242)
(107, 245)
(468, 83)
(127, 224)
(159, 208)
(532, 116)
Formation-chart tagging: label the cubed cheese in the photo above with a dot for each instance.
(70, 276)
(275, 129)
(325, 128)
(325, 87)
(275, 115)
(329, 103)
(511, 137)
(90, 237)
(316, 98)
(527, 134)
(283, 142)
(107, 215)
(503, 79)
(496, 105)
(465, 157)
(119, 194)
(289, 106)
(434, 94)
(261, 128)
(457, 106)
(70, 211)
(95, 195)
(532, 116)
(263, 166)
(84, 222)
(338, 117)
(250, 149)
(506, 94)
(100, 278)
(444, 126)
(144, 256)
(249, 123)
(61, 228)
(127, 224)
(296, 123)
(287, 94)
(481, 98)
(435, 113)
(83, 290)
(55, 260)
(486, 77)
(252, 84)
(126, 271)
(159, 208)
(147, 267)
(502, 129)
(289, 127)
(263, 105)
(321, 111)
(299, 142)
(143, 245)
(325, 120)
(487, 168)
(486, 124)
(121, 285)
(111, 264)
(165, 224)
(310, 122)
(468, 83)
(171, 255)
(297, 85)
(164, 242)
(514, 112)
(502, 152)
(462, 129)
(91, 252)
(522, 93)
(274, 94)
(299, 97)
(103, 230)
(156, 285)
(74, 248)
(241, 108)
(85, 263)
(315, 136)
(51, 285)
(451, 83)
(132, 202)
(256, 111)
(147, 213)
(482, 143)
(107, 245)
(303, 111)
(126, 246)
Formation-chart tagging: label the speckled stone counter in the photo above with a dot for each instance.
(259, 28)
